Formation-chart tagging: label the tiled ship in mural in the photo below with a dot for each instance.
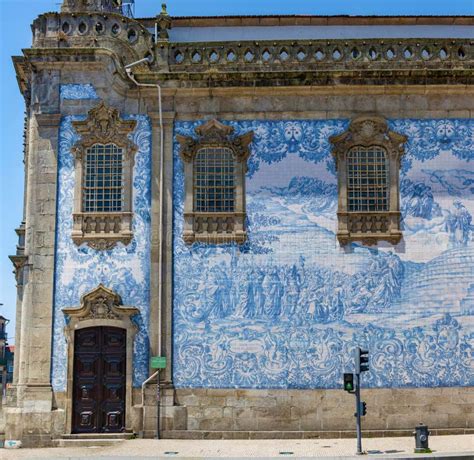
(256, 304)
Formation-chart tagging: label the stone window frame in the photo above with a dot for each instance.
(103, 230)
(369, 227)
(215, 227)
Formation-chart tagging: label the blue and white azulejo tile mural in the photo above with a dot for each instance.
(124, 269)
(285, 309)
(76, 91)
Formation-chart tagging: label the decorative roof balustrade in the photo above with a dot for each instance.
(68, 36)
(125, 37)
(304, 55)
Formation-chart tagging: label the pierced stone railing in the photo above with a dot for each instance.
(215, 227)
(102, 230)
(369, 227)
(368, 223)
(321, 53)
(128, 38)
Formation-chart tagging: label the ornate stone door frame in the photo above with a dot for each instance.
(100, 307)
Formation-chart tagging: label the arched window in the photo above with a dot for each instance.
(367, 179)
(368, 161)
(103, 179)
(214, 180)
(214, 175)
(104, 158)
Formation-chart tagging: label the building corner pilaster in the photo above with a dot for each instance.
(30, 413)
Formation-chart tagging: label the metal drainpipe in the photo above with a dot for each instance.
(128, 70)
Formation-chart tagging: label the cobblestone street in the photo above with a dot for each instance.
(460, 446)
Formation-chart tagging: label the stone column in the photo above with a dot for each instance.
(31, 420)
(160, 308)
(19, 261)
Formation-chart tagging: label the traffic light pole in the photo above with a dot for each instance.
(357, 415)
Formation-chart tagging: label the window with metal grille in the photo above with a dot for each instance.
(103, 179)
(367, 179)
(214, 180)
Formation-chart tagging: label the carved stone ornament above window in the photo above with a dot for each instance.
(101, 304)
(104, 142)
(367, 159)
(215, 164)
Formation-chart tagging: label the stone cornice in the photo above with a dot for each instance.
(167, 116)
(314, 78)
(302, 20)
(23, 75)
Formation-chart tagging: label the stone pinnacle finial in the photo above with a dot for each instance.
(164, 23)
(83, 6)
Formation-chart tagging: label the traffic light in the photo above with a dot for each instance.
(361, 360)
(349, 383)
(363, 408)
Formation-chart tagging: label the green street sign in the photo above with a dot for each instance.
(158, 362)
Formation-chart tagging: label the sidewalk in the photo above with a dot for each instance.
(460, 446)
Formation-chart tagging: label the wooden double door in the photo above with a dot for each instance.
(99, 380)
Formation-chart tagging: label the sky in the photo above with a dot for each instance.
(15, 34)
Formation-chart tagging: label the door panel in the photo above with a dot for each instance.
(99, 380)
(113, 383)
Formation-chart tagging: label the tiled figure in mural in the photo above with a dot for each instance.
(272, 288)
(292, 292)
(218, 293)
(383, 282)
(418, 200)
(252, 298)
(458, 224)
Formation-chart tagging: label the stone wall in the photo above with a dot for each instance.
(230, 413)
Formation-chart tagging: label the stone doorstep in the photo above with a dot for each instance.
(202, 434)
(122, 436)
(91, 439)
(75, 443)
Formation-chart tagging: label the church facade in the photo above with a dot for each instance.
(251, 198)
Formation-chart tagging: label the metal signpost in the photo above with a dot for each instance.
(158, 362)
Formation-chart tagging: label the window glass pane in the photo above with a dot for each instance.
(367, 179)
(214, 186)
(103, 179)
